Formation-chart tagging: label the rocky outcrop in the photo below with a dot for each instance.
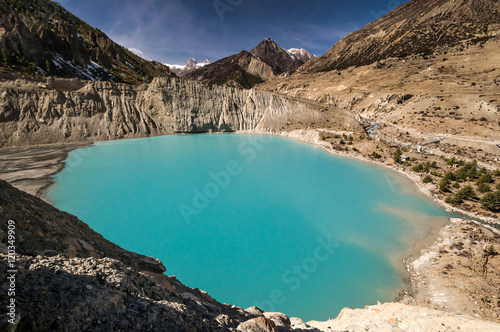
(35, 112)
(416, 27)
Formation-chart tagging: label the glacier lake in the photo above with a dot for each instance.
(253, 220)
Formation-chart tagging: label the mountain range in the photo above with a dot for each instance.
(192, 64)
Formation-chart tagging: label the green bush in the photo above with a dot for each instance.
(485, 178)
(375, 155)
(427, 179)
(466, 192)
(444, 185)
(397, 156)
(483, 188)
(491, 201)
(453, 200)
(490, 251)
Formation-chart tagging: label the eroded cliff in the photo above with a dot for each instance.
(37, 112)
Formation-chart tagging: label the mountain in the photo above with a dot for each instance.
(191, 65)
(416, 27)
(246, 69)
(239, 70)
(42, 38)
(277, 57)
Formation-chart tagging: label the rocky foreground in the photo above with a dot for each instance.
(70, 278)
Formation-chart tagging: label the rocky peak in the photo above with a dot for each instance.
(277, 57)
(191, 62)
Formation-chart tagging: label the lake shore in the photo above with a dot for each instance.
(311, 136)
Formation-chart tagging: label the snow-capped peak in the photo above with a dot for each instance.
(191, 65)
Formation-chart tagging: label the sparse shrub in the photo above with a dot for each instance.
(483, 188)
(427, 179)
(375, 155)
(485, 178)
(444, 185)
(490, 251)
(451, 161)
(397, 156)
(453, 200)
(466, 192)
(491, 201)
(456, 185)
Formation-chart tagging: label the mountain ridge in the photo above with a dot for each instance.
(416, 27)
(42, 38)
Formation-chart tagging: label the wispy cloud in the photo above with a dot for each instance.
(154, 27)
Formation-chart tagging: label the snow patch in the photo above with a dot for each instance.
(139, 53)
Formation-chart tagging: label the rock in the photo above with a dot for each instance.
(297, 323)
(259, 324)
(278, 318)
(50, 253)
(152, 264)
(255, 311)
(225, 320)
(189, 296)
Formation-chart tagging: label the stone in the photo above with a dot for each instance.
(278, 318)
(259, 324)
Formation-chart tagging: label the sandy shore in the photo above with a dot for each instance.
(31, 168)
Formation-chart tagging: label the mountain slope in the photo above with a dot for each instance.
(246, 69)
(41, 37)
(416, 27)
(239, 70)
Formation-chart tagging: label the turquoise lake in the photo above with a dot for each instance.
(252, 220)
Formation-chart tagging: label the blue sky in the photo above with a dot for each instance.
(171, 31)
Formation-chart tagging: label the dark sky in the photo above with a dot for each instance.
(171, 31)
